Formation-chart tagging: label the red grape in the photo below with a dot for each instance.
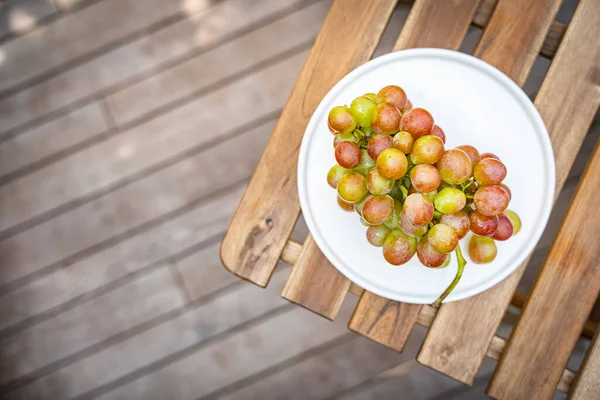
(340, 119)
(443, 238)
(491, 200)
(459, 221)
(377, 209)
(392, 164)
(482, 250)
(505, 228)
(418, 210)
(489, 155)
(483, 225)
(455, 167)
(344, 205)
(352, 187)
(489, 171)
(437, 131)
(503, 186)
(347, 154)
(394, 95)
(398, 247)
(472, 153)
(417, 121)
(377, 144)
(403, 141)
(429, 256)
(427, 149)
(425, 178)
(376, 234)
(386, 118)
(408, 106)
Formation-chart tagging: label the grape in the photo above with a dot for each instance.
(443, 238)
(450, 200)
(472, 153)
(427, 149)
(378, 184)
(376, 234)
(503, 186)
(345, 205)
(417, 121)
(482, 250)
(398, 247)
(437, 131)
(358, 205)
(429, 256)
(352, 187)
(347, 154)
(335, 174)
(491, 200)
(362, 109)
(459, 221)
(343, 137)
(365, 223)
(425, 178)
(408, 106)
(393, 222)
(377, 144)
(418, 210)
(392, 164)
(431, 195)
(455, 166)
(341, 120)
(505, 228)
(377, 209)
(371, 96)
(448, 259)
(483, 225)
(489, 155)
(394, 95)
(365, 164)
(515, 220)
(489, 171)
(386, 119)
(403, 141)
(411, 230)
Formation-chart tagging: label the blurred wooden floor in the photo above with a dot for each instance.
(128, 131)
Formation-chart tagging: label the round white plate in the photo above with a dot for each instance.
(474, 103)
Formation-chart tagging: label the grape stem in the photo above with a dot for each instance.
(461, 267)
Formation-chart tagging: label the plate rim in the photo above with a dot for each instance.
(532, 112)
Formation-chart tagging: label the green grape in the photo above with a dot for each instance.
(377, 209)
(429, 256)
(425, 178)
(376, 234)
(417, 121)
(378, 184)
(392, 164)
(482, 225)
(482, 250)
(341, 120)
(450, 200)
(417, 210)
(365, 164)
(345, 205)
(352, 187)
(335, 174)
(431, 195)
(505, 228)
(491, 200)
(455, 167)
(343, 137)
(403, 141)
(427, 149)
(393, 222)
(347, 154)
(386, 119)
(371, 96)
(448, 259)
(377, 144)
(362, 109)
(443, 238)
(394, 95)
(515, 220)
(472, 153)
(398, 247)
(459, 221)
(489, 171)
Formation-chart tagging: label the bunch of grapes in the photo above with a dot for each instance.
(414, 195)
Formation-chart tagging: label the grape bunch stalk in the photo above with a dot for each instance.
(414, 195)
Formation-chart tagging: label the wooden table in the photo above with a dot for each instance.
(532, 363)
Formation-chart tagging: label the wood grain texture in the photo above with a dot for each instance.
(551, 41)
(587, 384)
(385, 321)
(261, 226)
(559, 304)
(514, 35)
(567, 101)
(315, 284)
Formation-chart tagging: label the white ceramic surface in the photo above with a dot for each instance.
(474, 103)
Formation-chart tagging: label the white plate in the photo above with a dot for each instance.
(474, 103)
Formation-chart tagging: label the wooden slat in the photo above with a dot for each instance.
(587, 384)
(551, 42)
(182, 331)
(559, 304)
(385, 321)
(261, 226)
(325, 296)
(567, 101)
(20, 16)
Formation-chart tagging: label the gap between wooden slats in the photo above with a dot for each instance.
(260, 227)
